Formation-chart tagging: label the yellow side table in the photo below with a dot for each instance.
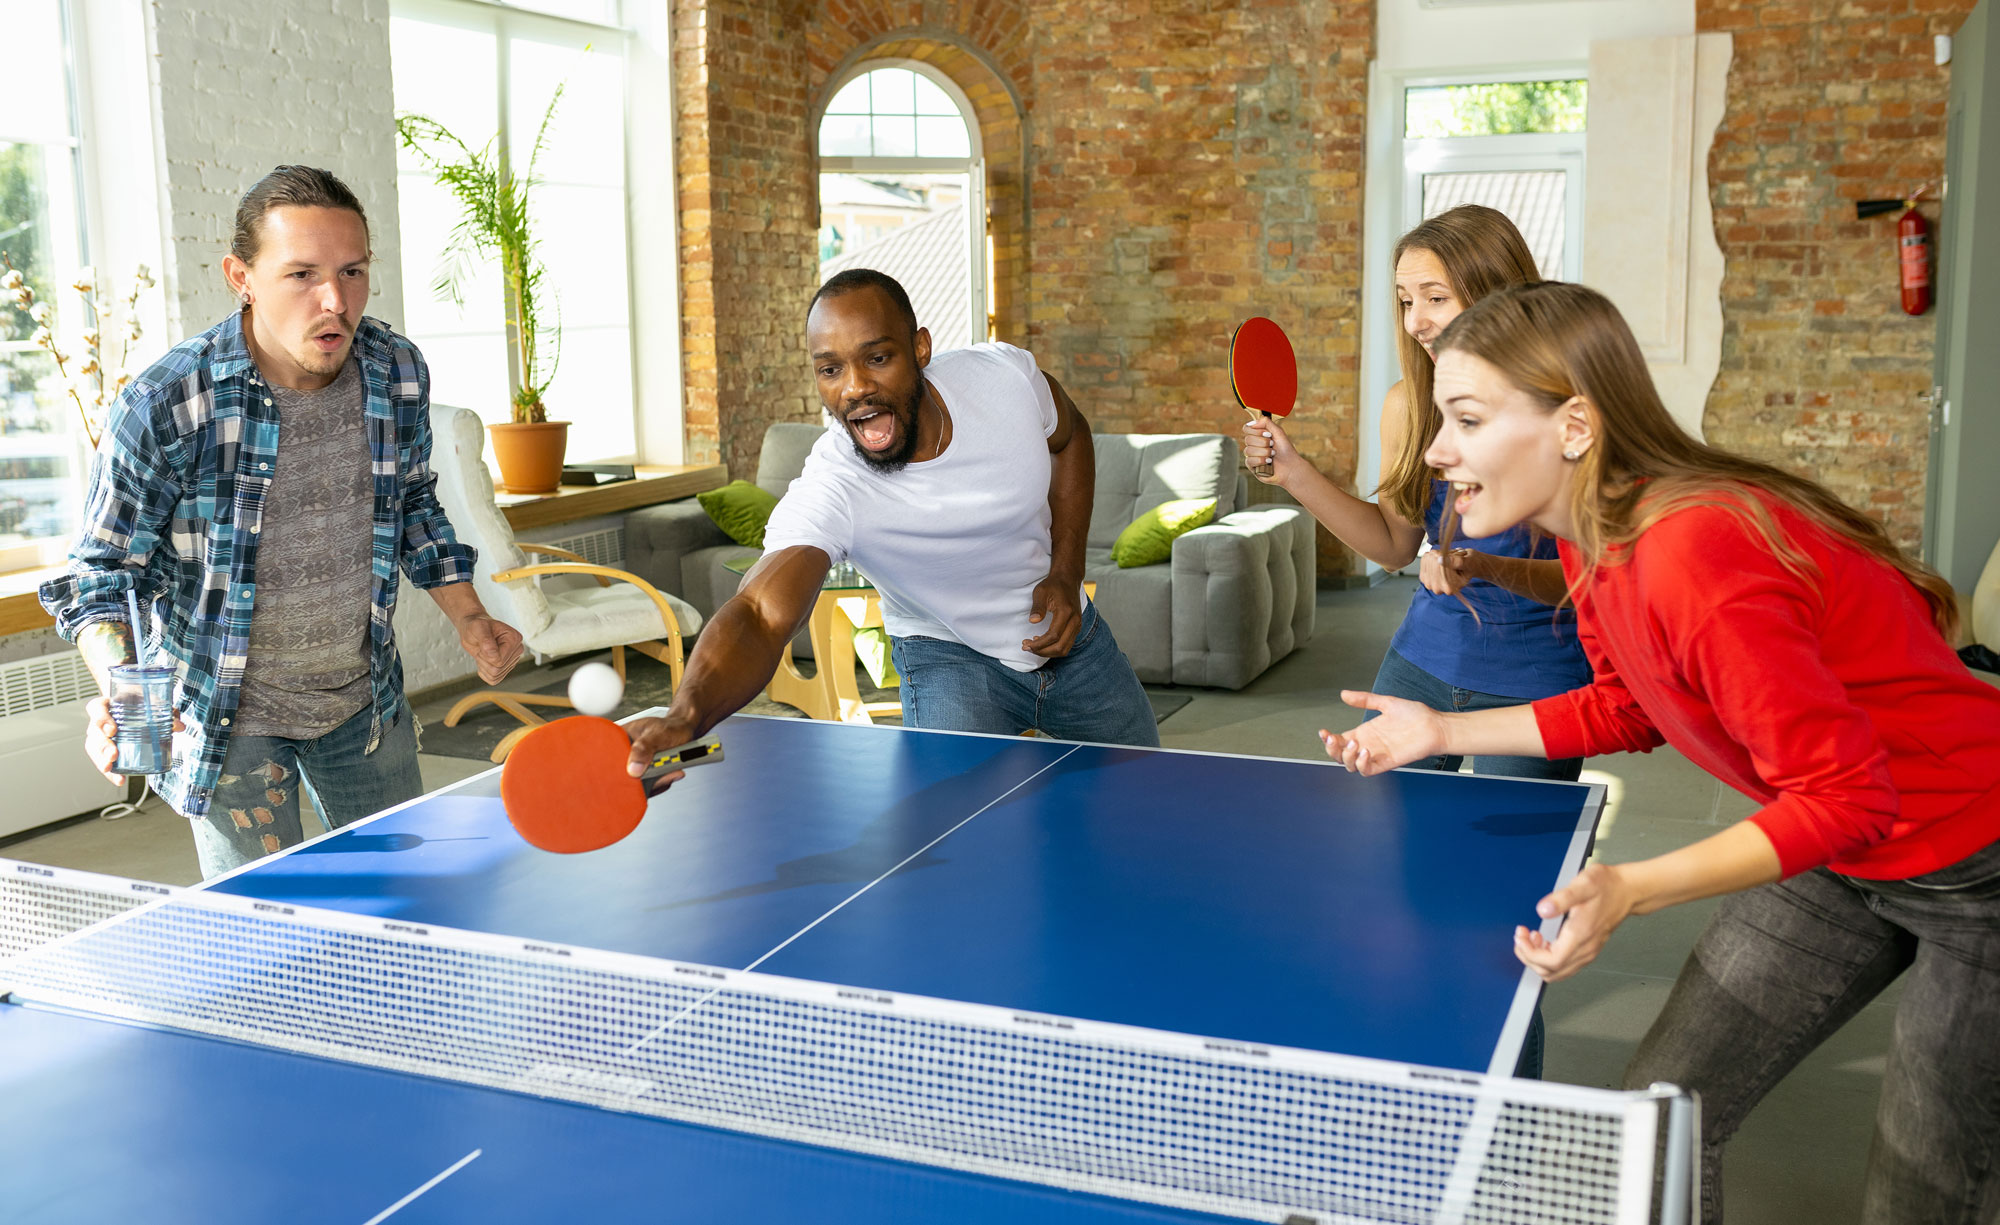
(847, 602)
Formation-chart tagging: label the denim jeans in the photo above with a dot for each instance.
(255, 809)
(1399, 678)
(1088, 694)
(1781, 967)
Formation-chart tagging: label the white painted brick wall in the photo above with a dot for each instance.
(242, 86)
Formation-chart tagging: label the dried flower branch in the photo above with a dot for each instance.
(92, 371)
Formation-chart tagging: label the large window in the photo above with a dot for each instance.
(1514, 145)
(902, 191)
(487, 73)
(42, 447)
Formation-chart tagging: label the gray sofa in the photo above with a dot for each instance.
(1236, 596)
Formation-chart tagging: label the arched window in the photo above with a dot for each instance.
(902, 190)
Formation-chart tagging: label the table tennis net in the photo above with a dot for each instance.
(1261, 1133)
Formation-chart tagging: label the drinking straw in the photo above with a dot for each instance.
(139, 652)
(138, 632)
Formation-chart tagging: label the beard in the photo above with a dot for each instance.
(312, 361)
(897, 457)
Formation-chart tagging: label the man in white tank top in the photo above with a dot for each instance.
(961, 486)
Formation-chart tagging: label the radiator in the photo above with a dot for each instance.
(44, 775)
(604, 547)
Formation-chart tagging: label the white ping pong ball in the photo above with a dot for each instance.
(595, 689)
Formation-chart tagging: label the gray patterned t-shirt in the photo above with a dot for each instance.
(308, 666)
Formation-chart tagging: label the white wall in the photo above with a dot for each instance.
(189, 102)
(1416, 42)
(242, 86)
(1515, 32)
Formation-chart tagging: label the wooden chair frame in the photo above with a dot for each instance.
(670, 652)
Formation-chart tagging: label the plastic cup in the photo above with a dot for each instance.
(142, 704)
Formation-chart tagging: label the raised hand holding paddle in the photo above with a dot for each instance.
(1263, 372)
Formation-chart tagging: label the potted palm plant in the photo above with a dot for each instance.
(495, 222)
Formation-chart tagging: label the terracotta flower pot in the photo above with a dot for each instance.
(530, 455)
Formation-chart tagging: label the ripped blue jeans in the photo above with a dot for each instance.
(255, 810)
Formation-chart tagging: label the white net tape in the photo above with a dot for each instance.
(1265, 1133)
(39, 904)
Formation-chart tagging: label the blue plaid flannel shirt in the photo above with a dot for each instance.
(176, 503)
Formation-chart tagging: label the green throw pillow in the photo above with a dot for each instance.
(871, 646)
(1150, 538)
(741, 510)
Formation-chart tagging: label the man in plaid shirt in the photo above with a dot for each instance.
(259, 487)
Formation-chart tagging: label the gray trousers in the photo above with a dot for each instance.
(1781, 967)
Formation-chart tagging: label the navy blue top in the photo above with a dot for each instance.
(1518, 648)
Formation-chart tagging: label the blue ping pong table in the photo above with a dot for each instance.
(1253, 900)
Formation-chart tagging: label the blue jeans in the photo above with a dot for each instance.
(1399, 678)
(1088, 694)
(1402, 679)
(255, 809)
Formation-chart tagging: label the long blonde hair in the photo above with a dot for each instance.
(1481, 252)
(1557, 341)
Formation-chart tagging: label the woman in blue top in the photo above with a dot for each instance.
(1482, 630)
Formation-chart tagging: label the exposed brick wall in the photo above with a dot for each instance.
(748, 222)
(1830, 101)
(997, 109)
(245, 85)
(750, 75)
(1192, 165)
(1154, 175)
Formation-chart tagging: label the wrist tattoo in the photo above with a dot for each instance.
(106, 644)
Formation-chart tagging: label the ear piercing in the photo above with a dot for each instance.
(1572, 456)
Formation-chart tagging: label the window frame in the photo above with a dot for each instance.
(506, 22)
(972, 166)
(81, 196)
(1422, 155)
(1386, 149)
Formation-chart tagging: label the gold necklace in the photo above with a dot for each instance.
(944, 421)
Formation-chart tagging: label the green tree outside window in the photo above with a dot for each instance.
(1499, 108)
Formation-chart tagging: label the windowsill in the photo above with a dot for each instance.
(20, 610)
(654, 484)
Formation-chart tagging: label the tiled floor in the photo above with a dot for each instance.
(1800, 1156)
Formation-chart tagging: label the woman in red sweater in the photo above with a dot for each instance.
(1782, 642)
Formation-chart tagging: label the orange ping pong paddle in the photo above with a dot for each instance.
(1263, 372)
(566, 790)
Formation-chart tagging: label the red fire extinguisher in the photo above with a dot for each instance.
(1913, 248)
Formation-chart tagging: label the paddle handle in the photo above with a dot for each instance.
(687, 756)
(1267, 469)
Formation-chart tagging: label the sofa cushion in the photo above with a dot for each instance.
(1136, 472)
(1149, 540)
(1138, 606)
(706, 580)
(587, 618)
(783, 456)
(741, 510)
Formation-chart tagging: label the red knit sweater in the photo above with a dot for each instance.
(1834, 702)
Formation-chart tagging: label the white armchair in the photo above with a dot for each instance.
(616, 611)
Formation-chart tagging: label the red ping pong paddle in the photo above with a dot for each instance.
(566, 790)
(1263, 372)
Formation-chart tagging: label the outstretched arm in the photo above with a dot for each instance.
(1604, 895)
(1407, 731)
(1369, 528)
(737, 652)
(1538, 579)
(1072, 481)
